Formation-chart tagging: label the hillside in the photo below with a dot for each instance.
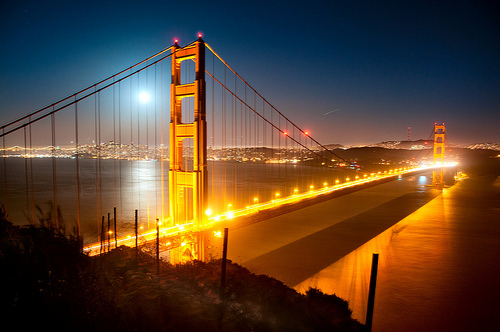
(47, 284)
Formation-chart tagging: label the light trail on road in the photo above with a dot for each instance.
(191, 226)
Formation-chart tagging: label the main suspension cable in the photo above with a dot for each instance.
(255, 91)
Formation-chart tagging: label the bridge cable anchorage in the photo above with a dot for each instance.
(267, 102)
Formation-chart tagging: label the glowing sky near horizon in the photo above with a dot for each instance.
(354, 72)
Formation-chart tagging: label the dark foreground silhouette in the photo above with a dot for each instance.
(46, 283)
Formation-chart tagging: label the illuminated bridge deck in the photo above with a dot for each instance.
(263, 211)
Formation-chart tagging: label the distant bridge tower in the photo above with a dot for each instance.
(437, 175)
(188, 183)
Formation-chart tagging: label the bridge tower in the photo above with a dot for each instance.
(438, 174)
(188, 186)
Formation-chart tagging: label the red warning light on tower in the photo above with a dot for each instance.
(199, 35)
(176, 40)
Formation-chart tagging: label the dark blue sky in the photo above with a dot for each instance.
(350, 72)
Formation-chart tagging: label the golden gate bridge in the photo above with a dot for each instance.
(102, 152)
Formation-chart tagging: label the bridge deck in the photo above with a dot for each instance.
(294, 246)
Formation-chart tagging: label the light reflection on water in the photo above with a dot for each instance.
(404, 249)
(438, 267)
(349, 277)
(136, 184)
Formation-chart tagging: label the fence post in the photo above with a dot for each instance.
(158, 245)
(109, 234)
(371, 293)
(102, 233)
(116, 235)
(136, 236)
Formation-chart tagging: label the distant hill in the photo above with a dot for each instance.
(417, 144)
(334, 146)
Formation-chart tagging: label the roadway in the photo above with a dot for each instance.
(295, 246)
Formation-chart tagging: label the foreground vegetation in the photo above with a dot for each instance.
(46, 283)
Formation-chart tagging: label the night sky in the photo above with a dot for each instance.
(350, 72)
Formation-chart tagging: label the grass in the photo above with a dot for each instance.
(45, 282)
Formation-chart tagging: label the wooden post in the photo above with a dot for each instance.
(116, 235)
(102, 233)
(136, 236)
(158, 246)
(371, 293)
(109, 228)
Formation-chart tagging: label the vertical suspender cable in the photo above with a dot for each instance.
(131, 157)
(31, 172)
(54, 171)
(280, 156)
(213, 129)
(155, 155)
(256, 143)
(186, 119)
(264, 143)
(114, 146)
(77, 164)
(138, 147)
(121, 145)
(26, 173)
(99, 141)
(99, 226)
(147, 156)
(224, 192)
(233, 140)
(5, 173)
(244, 133)
(161, 144)
(287, 160)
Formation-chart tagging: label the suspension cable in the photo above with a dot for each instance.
(88, 88)
(315, 141)
(264, 119)
(432, 132)
(55, 110)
